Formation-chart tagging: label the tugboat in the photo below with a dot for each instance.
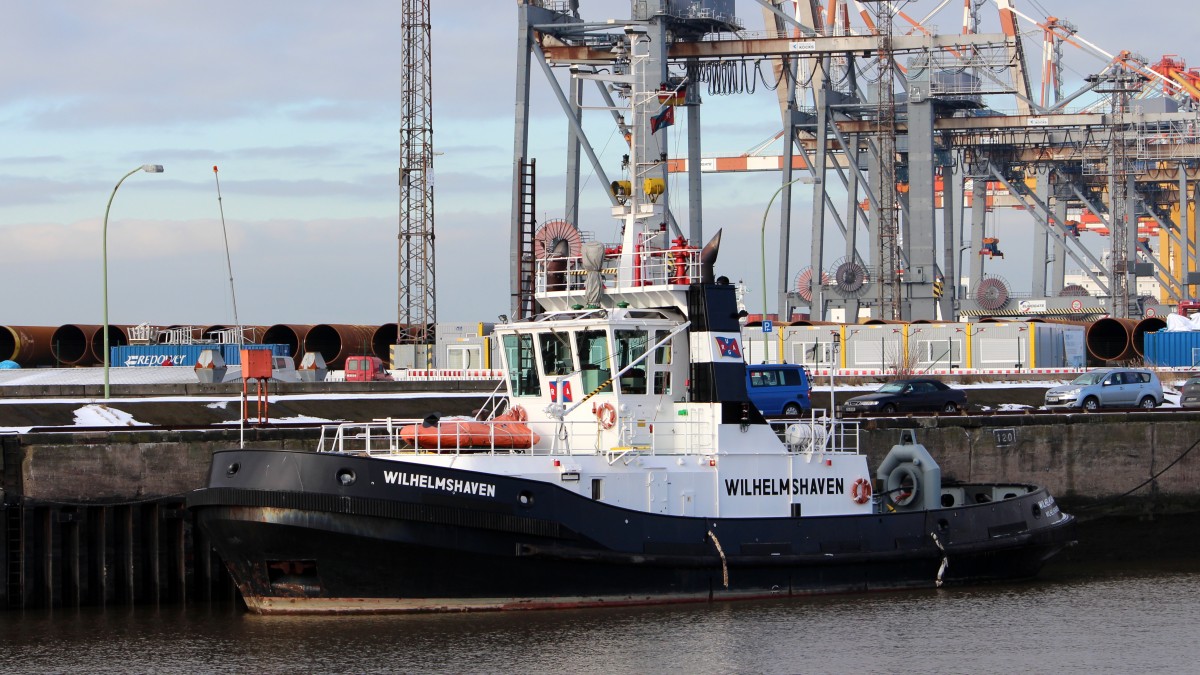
(624, 464)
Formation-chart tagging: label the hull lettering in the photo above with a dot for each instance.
(420, 480)
(769, 487)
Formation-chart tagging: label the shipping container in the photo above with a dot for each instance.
(1172, 349)
(1059, 345)
(184, 355)
(465, 346)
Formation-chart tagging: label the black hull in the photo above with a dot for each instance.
(366, 547)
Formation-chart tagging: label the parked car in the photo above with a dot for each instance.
(1189, 393)
(1108, 388)
(779, 388)
(366, 369)
(909, 396)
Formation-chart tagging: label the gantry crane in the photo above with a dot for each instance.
(1120, 161)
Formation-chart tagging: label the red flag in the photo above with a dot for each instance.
(662, 120)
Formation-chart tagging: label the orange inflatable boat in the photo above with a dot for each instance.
(507, 431)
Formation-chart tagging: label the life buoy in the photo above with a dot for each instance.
(606, 415)
(860, 491)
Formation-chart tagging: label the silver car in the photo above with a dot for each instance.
(1108, 388)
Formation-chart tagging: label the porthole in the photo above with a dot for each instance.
(346, 476)
(233, 468)
(525, 498)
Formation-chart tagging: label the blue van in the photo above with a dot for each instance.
(779, 388)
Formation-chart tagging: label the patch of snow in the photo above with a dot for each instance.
(218, 406)
(96, 415)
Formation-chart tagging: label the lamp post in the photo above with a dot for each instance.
(148, 168)
(763, 243)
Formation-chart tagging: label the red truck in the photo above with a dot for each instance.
(366, 369)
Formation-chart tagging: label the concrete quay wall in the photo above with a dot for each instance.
(1082, 458)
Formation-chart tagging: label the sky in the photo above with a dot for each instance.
(298, 103)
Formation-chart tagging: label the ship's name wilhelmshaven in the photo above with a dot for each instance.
(763, 487)
(466, 487)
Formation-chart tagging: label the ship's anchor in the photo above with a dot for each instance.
(945, 559)
(724, 566)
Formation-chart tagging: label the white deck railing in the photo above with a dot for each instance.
(409, 436)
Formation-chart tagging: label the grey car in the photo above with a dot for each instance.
(1108, 388)
(1189, 393)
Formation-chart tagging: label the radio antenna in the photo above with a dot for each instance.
(228, 263)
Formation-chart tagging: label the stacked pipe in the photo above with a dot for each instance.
(118, 336)
(337, 341)
(26, 345)
(292, 335)
(1111, 339)
(83, 344)
(1147, 325)
(73, 344)
(382, 340)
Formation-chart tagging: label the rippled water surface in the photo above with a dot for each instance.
(1113, 620)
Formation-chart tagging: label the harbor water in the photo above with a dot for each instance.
(1113, 619)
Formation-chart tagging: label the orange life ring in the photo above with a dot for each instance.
(860, 491)
(606, 415)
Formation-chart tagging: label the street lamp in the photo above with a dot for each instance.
(148, 168)
(763, 243)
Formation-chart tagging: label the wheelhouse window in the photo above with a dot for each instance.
(556, 353)
(522, 368)
(631, 344)
(662, 364)
(592, 346)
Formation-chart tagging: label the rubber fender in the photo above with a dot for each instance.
(911, 460)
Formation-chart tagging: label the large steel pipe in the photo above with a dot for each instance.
(29, 346)
(73, 344)
(337, 341)
(1147, 325)
(1111, 339)
(290, 334)
(382, 340)
(118, 336)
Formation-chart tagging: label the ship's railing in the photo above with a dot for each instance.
(448, 435)
(815, 433)
(469, 436)
(819, 432)
(645, 269)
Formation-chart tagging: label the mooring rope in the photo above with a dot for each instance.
(1141, 485)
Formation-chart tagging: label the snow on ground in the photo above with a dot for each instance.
(96, 415)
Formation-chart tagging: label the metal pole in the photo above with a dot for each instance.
(148, 168)
(228, 262)
(763, 246)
